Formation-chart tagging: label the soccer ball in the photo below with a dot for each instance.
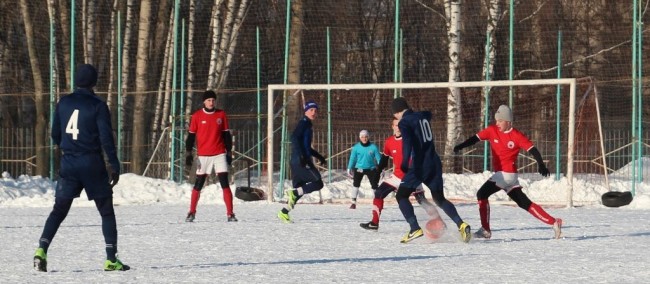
(434, 229)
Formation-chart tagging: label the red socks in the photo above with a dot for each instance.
(378, 205)
(195, 200)
(227, 198)
(540, 214)
(484, 212)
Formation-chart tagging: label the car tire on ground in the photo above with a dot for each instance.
(616, 198)
(249, 193)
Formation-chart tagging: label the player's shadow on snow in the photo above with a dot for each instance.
(547, 234)
(305, 261)
(583, 238)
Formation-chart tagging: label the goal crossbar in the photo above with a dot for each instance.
(571, 82)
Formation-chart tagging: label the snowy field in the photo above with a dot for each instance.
(325, 244)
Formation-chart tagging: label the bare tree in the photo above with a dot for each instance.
(164, 85)
(225, 33)
(40, 128)
(190, 56)
(494, 17)
(229, 39)
(141, 85)
(215, 25)
(64, 16)
(295, 58)
(112, 63)
(88, 29)
(454, 113)
(51, 13)
(126, 52)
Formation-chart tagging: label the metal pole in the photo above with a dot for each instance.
(396, 51)
(558, 101)
(259, 102)
(329, 107)
(119, 85)
(182, 97)
(174, 118)
(283, 149)
(635, 79)
(52, 95)
(486, 115)
(511, 44)
(639, 31)
(72, 67)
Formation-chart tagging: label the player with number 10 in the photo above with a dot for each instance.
(421, 164)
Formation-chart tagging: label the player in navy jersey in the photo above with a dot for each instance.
(505, 144)
(209, 129)
(393, 149)
(82, 128)
(305, 177)
(421, 164)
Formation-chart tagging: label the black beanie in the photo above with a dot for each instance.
(209, 94)
(86, 76)
(398, 105)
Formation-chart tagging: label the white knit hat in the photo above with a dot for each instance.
(503, 113)
(364, 133)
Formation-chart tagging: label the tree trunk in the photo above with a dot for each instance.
(215, 25)
(232, 41)
(126, 63)
(112, 64)
(494, 15)
(454, 113)
(89, 31)
(190, 57)
(162, 26)
(139, 150)
(64, 16)
(294, 107)
(40, 128)
(164, 85)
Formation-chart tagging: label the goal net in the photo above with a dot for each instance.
(543, 109)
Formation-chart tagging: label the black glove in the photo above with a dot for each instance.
(229, 158)
(457, 149)
(189, 160)
(543, 170)
(322, 161)
(115, 177)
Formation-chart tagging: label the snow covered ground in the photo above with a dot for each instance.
(325, 244)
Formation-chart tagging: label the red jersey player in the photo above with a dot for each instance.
(505, 143)
(209, 128)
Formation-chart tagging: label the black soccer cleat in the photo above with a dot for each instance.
(232, 218)
(370, 226)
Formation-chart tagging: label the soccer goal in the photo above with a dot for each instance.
(543, 109)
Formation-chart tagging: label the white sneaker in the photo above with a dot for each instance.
(557, 228)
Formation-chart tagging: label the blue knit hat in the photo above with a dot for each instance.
(310, 104)
(86, 76)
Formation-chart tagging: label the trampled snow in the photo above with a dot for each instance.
(325, 243)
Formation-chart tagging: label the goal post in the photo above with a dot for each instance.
(383, 93)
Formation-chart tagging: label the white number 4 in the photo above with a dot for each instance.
(72, 124)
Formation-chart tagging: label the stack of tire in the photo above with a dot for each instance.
(616, 198)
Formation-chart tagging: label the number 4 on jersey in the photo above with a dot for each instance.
(71, 127)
